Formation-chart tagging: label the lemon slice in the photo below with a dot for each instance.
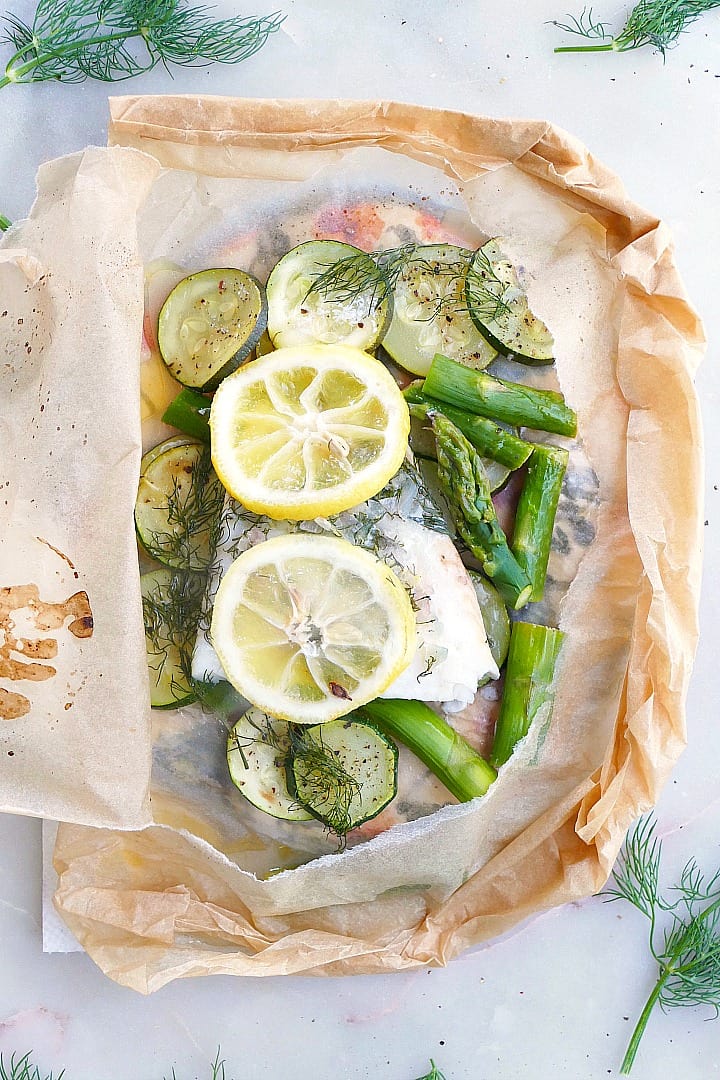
(310, 627)
(308, 431)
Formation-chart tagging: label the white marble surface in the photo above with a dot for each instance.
(558, 998)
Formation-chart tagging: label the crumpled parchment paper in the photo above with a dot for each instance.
(190, 894)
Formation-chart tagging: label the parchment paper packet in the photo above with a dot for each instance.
(74, 726)
(178, 898)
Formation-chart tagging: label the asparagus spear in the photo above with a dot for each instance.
(535, 516)
(189, 413)
(513, 403)
(465, 486)
(486, 436)
(460, 768)
(528, 692)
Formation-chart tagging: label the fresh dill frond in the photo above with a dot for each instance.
(171, 617)
(74, 40)
(21, 1068)
(194, 517)
(376, 274)
(658, 23)
(687, 948)
(584, 25)
(372, 275)
(331, 788)
(434, 1073)
(487, 294)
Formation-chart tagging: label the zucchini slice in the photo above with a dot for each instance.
(257, 750)
(499, 308)
(209, 324)
(167, 444)
(344, 772)
(328, 293)
(168, 639)
(178, 503)
(495, 616)
(430, 312)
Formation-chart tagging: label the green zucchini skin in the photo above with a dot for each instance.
(363, 752)
(167, 444)
(257, 749)
(209, 324)
(354, 309)
(430, 312)
(170, 687)
(499, 308)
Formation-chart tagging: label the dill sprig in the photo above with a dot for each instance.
(372, 275)
(375, 275)
(113, 40)
(332, 788)
(171, 619)
(217, 1066)
(194, 517)
(658, 23)
(434, 1073)
(21, 1068)
(687, 948)
(486, 293)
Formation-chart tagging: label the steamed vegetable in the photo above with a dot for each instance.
(178, 504)
(495, 617)
(464, 773)
(257, 751)
(528, 693)
(171, 604)
(489, 439)
(189, 412)
(310, 302)
(343, 772)
(431, 313)
(477, 392)
(465, 486)
(209, 324)
(499, 308)
(535, 515)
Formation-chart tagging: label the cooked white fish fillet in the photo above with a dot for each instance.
(403, 528)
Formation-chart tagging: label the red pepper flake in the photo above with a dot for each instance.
(339, 691)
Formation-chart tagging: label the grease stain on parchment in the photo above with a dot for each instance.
(21, 608)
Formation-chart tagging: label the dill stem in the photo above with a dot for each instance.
(586, 48)
(668, 969)
(78, 46)
(639, 1031)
